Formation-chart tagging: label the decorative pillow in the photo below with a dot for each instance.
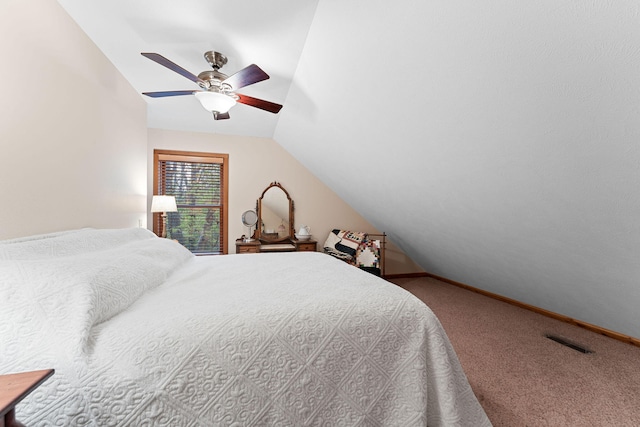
(331, 247)
(343, 244)
(355, 248)
(331, 241)
(349, 241)
(368, 254)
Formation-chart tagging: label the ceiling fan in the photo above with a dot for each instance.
(218, 94)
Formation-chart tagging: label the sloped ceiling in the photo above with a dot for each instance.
(495, 142)
(498, 143)
(270, 34)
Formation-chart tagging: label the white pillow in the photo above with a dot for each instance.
(69, 243)
(72, 283)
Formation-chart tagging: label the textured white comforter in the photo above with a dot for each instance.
(140, 333)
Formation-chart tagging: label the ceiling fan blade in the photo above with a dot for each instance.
(247, 76)
(220, 116)
(172, 66)
(259, 103)
(169, 93)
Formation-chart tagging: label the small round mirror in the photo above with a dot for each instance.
(249, 219)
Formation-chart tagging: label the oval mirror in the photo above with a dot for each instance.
(275, 213)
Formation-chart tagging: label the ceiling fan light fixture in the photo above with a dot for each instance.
(215, 101)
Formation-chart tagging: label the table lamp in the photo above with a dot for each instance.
(164, 204)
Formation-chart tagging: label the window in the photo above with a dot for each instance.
(199, 181)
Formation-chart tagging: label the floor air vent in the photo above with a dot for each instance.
(569, 344)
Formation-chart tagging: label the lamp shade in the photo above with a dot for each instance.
(163, 204)
(215, 101)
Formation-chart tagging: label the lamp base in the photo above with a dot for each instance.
(164, 225)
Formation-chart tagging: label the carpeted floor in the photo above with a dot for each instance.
(522, 378)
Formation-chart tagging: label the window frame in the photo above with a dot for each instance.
(195, 157)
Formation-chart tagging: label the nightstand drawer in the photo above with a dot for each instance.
(306, 246)
(249, 249)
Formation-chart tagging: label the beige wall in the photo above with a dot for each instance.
(75, 150)
(256, 162)
(72, 130)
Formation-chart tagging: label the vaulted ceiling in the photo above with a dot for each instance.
(270, 34)
(495, 142)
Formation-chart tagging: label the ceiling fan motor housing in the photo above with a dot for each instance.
(214, 81)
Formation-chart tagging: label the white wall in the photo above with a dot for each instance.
(74, 142)
(497, 142)
(254, 163)
(72, 130)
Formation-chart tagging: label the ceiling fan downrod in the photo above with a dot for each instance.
(215, 59)
(213, 78)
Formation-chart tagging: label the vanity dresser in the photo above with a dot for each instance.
(255, 246)
(275, 225)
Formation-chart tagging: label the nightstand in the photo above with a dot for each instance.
(252, 247)
(255, 246)
(14, 388)
(305, 245)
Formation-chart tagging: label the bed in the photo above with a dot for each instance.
(143, 333)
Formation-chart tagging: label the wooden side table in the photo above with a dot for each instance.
(306, 245)
(255, 246)
(251, 247)
(14, 388)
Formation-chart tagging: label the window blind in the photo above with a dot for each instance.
(197, 182)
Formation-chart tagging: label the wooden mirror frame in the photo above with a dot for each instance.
(258, 233)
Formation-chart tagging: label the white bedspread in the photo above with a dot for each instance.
(141, 333)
